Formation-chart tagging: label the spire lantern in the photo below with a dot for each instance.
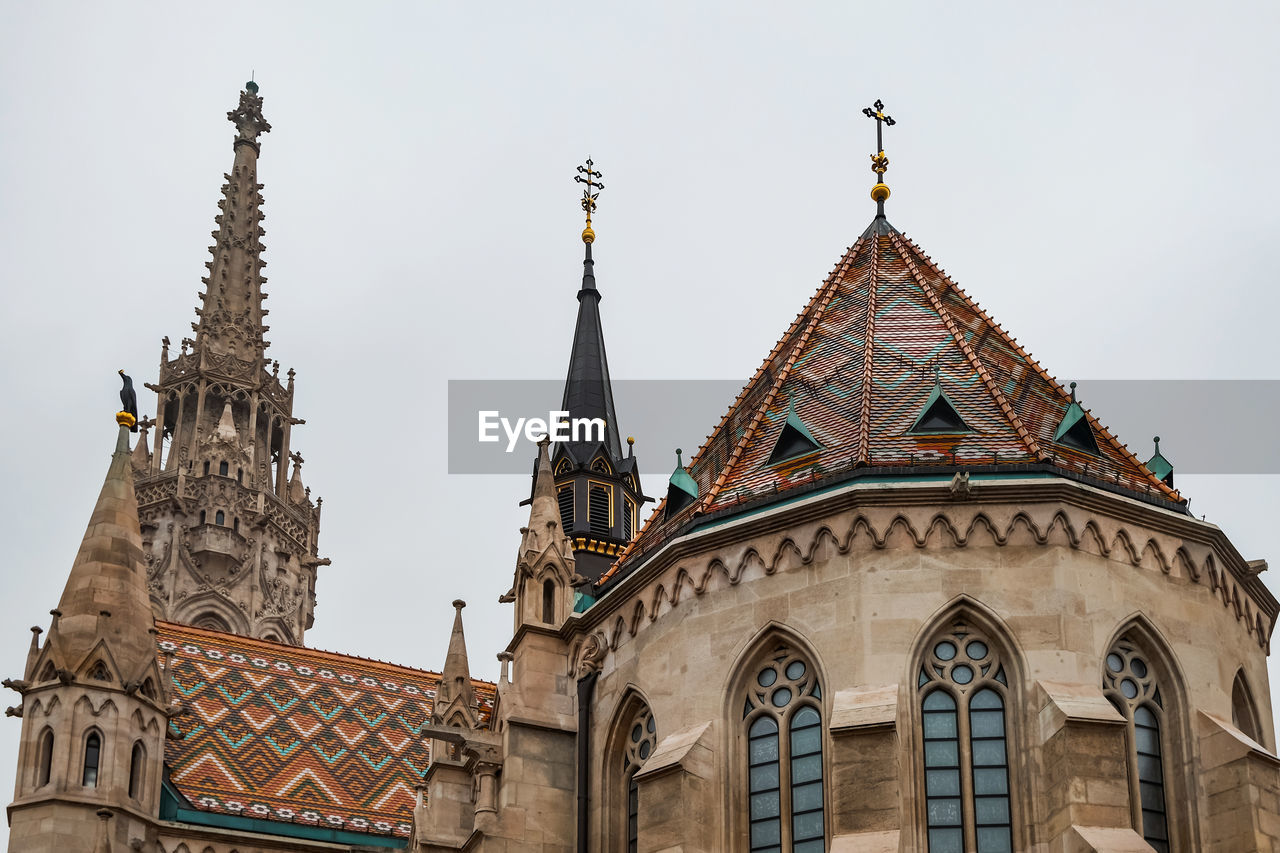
(879, 162)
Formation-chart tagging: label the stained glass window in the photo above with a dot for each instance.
(785, 778)
(1130, 684)
(963, 685)
(641, 740)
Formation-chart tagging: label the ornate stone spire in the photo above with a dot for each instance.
(231, 317)
(105, 598)
(455, 698)
(544, 514)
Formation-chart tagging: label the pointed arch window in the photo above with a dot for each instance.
(963, 694)
(564, 496)
(549, 601)
(641, 739)
(92, 757)
(45, 759)
(223, 468)
(1129, 681)
(220, 518)
(137, 770)
(782, 718)
(600, 508)
(1244, 714)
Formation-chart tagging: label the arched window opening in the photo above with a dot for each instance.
(963, 692)
(601, 466)
(202, 516)
(782, 713)
(600, 509)
(206, 467)
(223, 468)
(45, 763)
(549, 601)
(212, 622)
(235, 524)
(1130, 683)
(642, 738)
(220, 518)
(1243, 712)
(137, 768)
(240, 476)
(92, 755)
(148, 688)
(564, 495)
(99, 672)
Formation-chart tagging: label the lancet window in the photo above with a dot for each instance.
(963, 694)
(782, 719)
(641, 739)
(1129, 681)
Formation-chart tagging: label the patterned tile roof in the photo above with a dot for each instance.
(285, 733)
(860, 362)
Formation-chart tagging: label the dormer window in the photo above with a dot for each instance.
(939, 415)
(793, 441)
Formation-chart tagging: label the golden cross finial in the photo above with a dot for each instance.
(879, 162)
(587, 175)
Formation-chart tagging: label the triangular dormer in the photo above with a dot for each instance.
(939, 415)
(1074, 430)
(1160, 466)
(794, 440)
(682, 489)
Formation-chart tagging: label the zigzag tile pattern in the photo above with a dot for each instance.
(860, 362)
(298, 735)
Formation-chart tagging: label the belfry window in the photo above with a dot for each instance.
(1130, 684)
(564, 495)
(220, 518)
(641, 738)
(963, 692)
(600, 509)
(782, 717)
(92, 755)
(628, 518)
(206, 466)
(223, 468)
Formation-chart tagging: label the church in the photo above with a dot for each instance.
(909, 595)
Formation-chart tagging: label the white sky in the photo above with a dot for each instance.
(1101, 177)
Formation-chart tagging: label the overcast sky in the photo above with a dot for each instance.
(1101, 177)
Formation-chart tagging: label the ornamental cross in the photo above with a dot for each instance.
(592, 181)
(879, 162)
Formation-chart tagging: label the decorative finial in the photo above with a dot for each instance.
(679, 459)
(458, 604)
(247, 116)
(879, 162)
(1073, 392)
(128, 414)
(592, 181)
(1157, 441)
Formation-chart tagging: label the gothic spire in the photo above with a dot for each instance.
(455, 697)
(587, 390)
(106, 593)
(231, 315)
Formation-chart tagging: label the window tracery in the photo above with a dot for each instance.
(642, 738)
(785, 778)
(963, 693)
(1129, 681)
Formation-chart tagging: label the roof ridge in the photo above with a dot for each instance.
(864, 426)
(1033, 446)
(840, 266)
(1009, 341)
(823, 299)
(179, 628)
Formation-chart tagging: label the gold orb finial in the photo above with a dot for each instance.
(588, 235)
(126, 419)
(880, 192)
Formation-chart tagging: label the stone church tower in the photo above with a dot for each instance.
(229, 537)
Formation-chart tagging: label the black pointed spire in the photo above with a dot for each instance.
(597, 488)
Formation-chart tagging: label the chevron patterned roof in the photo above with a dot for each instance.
(860, 363)
(298, 735)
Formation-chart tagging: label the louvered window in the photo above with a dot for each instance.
(565, 496)
(628, 518)
(598, 513)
